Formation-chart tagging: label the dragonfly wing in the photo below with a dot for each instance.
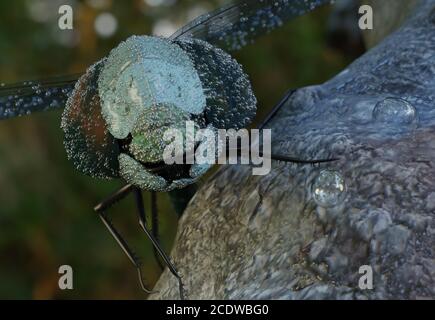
(234, 26)
(28, 97)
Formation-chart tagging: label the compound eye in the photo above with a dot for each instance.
(231, 103)
(88, 143)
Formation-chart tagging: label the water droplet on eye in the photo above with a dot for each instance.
(395, 113)
(329, 189)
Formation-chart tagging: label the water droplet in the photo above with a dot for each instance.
(329, 189)
(395, 113)
(27, 97)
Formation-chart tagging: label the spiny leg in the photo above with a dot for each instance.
(142, 222)
(101, 210)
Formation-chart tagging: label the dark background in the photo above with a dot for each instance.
(46, 216)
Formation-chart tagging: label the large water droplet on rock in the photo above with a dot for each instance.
(329, 189)
(395, 113)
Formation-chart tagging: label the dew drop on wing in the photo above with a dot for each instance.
(237, 25)
(28, 97)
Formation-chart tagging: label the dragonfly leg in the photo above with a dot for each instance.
(275, 109)
(278, 157)
(154, 220)
(101, 209)
(156, 245)
(284, 158)
(155, 225)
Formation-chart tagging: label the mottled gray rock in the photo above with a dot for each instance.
(250, 237)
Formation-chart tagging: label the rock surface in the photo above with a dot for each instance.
(247, 237)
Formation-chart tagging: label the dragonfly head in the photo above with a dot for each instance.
(115, 121)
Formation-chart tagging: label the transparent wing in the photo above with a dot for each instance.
(230, 28)
(234, 26)
(27, 97)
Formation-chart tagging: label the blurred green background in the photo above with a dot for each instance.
(46, 216)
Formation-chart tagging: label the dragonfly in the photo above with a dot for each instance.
(114, 114)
